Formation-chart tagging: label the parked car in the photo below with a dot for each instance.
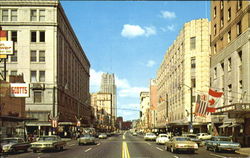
(134, 134)
(14, 144)
(220, 143)
(48, 143)
(194, 138)
(162, 138)
(86, 139)
(179, 143)
(103, 136)
(150, 136)
(204, 136)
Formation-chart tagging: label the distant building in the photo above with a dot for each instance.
(126, 125)
(108, 86)
(51, 59)
(153, 103)
(230, 41)
(144, 108)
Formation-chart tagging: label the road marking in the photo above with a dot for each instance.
(87, 150)
(98, 144)
(149, 144)
(159, 148)
(123, 137)
(176, 156)
(218, 155)
(125, 153)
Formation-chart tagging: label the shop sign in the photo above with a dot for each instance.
(6, 47)
(19, 90)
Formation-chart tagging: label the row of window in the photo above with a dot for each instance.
(35, 75)
(239, 6)
(35, 36)
(11, 15)
(35, 56)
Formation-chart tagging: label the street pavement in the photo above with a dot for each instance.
(122, 146)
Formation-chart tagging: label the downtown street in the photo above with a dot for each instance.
(121, 146)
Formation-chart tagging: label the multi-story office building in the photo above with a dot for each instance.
(144, 109)
(108, 86)
(50, 57)
(185, 67)
(230, 73)
(153, 103)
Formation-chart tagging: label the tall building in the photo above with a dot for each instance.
(153, 103)
(108, 86)
(185, 67)
(50, 57)
(144, 109)
(230, 42)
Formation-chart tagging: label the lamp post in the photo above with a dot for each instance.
(191, 108)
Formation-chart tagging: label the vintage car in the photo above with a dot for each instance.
(86, 139)
(14, 145)
(220, 143)
(103, 136)
(179, 143)
(162, 138)
(150, 136)
(53, 142)
(204, 136)
(194, 138)
(134, 134)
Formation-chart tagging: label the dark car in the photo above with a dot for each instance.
(14, 145)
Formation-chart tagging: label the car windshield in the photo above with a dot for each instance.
(191, 136)
(225, 139)
(85, 135)
(9, 141)
(47, 139)
(163, 135)
(182, 139)
(150, 134)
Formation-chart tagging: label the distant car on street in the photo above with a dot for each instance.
(150, 136)
(134, 134)
(220, 143)
(102, 136)
(14, 144)
(53, 142)
(86, 139)
(162, 138)
(203, 136)
(178, 143)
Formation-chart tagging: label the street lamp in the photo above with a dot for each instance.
(191, 107)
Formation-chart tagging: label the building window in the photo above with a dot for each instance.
(42, 36)
(37, 97)
(230, 99)
(41, 56)
(41, 15)
(215, 72)
(33, 56)
(239, 4)
(192, 43)
(222, 66)
(229, 36)
(5, 15)
(14, 36)
(239, 28)
(33, 36)
(41, 76)
(215, 12)
(13, 58)
(193, 82)
(33, 15)
(33, 76)
(222, 21)
(215, 48)
(240, 55)
(229, 64)
(193, 63)
(215, 29)
(229, 14)
(221, 4)
(13, 15)
(13, 72)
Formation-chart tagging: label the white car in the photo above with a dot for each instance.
(150, 136)
(204, 136)
(162, 139)
(103, 136)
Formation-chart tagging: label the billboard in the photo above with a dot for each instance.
(19, 90)
(6, 47)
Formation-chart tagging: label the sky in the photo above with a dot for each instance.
(129, 39)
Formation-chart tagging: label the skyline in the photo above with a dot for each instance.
(129, 39)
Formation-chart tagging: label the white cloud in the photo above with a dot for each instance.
(95, 80)
(168, 15)
(131, 91)
(168, 28)
(131, 31)
(150, 63)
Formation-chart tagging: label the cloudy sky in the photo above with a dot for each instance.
(129, 39)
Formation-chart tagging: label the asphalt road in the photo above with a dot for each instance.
(122, 146)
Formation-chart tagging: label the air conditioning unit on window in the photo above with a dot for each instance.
(38, 86)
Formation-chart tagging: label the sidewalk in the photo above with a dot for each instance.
(244, 151)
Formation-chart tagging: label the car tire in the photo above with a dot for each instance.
(34, 151)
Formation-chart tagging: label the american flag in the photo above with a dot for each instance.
(201, 106)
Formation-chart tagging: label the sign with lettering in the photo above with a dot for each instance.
(19, 90)
(6, 47)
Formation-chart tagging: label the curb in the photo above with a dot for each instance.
(243, 153)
